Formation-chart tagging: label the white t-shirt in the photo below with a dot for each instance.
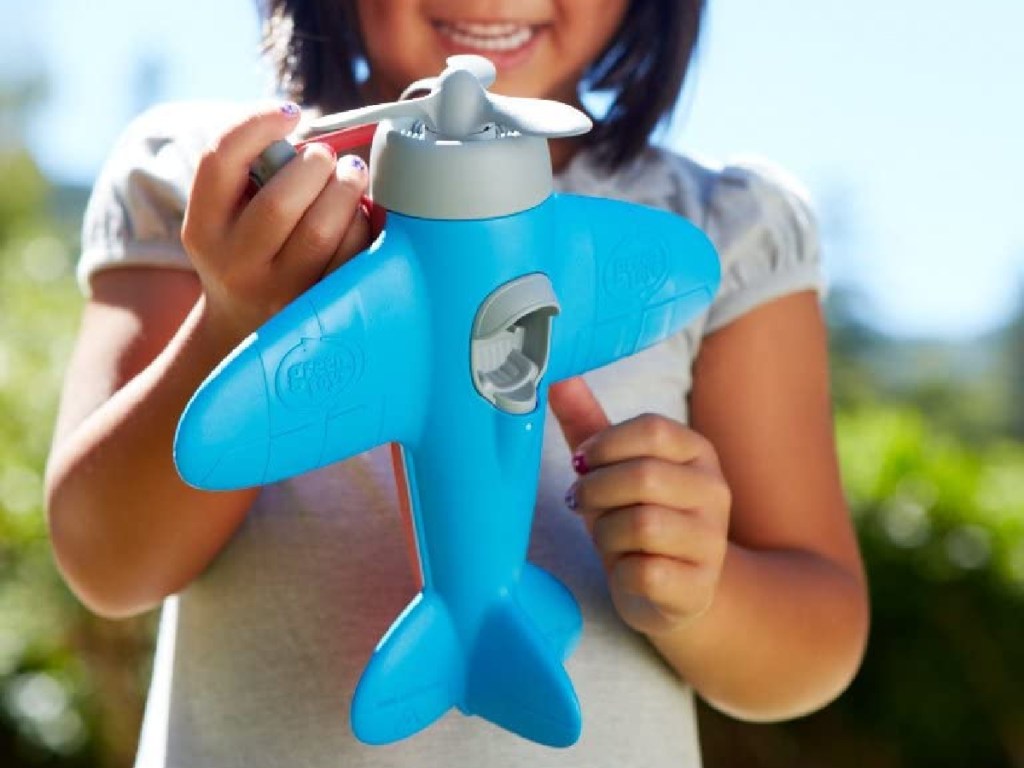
(258, 658)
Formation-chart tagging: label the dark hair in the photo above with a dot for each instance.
(316, 50)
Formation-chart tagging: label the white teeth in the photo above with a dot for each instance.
(486, 30)
(487, 37)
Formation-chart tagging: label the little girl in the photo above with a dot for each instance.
(689, 495)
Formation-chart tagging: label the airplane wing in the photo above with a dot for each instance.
(627, 276)
(341, 369)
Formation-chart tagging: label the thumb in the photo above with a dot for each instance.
(579, 413)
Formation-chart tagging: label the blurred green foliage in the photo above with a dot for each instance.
(933, 472)
(942, 528)
(71, 684)
(44, 715)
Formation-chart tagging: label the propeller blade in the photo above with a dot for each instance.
(459, 105)
(481, 68)
(416, 109)
(426, 84)
(538, 117)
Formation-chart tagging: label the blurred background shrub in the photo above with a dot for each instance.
(71, 685)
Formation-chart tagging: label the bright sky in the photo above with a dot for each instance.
(904, 119)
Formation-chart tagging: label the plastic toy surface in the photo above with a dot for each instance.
(442, 337)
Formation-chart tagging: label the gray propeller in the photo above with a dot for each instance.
(483, 69)
(459, 106)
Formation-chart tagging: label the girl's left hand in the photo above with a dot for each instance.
(653, 497)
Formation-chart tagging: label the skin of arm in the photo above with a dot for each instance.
(728, 543)
(125, 529)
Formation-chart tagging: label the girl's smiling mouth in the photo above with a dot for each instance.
(506, 43)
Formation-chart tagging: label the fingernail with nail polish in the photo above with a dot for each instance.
(290, 108)
(570, 497)
(357, 162)
(579, 463)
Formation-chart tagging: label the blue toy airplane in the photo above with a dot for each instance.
(442, 337)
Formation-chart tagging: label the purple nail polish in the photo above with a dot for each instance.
(579, 463)
(357, 162)
(570, 497)
(290, 108)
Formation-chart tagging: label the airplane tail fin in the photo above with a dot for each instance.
(552, 607)
(516, 678)
(513, 675)
(414, 676)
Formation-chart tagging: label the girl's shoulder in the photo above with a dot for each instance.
(167, 140)
(728, 200)
(136, 206)
(179, 130)
(762, 223)
(164, 142)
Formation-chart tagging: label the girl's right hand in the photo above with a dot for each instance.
(254, 256)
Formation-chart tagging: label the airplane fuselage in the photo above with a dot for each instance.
(474, 465)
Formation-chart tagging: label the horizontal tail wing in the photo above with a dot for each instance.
(414, 676)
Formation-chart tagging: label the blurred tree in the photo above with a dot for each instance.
(70, 684)
(961, 385)
(1013, 344)
(17, 98)
(41, 687)
(852, 343)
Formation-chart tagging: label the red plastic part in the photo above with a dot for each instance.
(343, 140)
(376, 215)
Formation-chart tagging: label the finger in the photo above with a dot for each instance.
(650, 435)
(313, 242)
(223, 171)
(675, 588)
(578, 411)
(355, 240)
(269, 219)
(651, 481)
(654, 530)
(358, 234)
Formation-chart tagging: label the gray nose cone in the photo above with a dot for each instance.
(494, 173)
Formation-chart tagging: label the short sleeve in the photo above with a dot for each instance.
(136, 208)
(767, 239)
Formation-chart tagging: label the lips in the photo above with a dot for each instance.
(494, 38)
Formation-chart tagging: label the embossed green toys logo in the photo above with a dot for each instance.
(316, 371)
(636, 271)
